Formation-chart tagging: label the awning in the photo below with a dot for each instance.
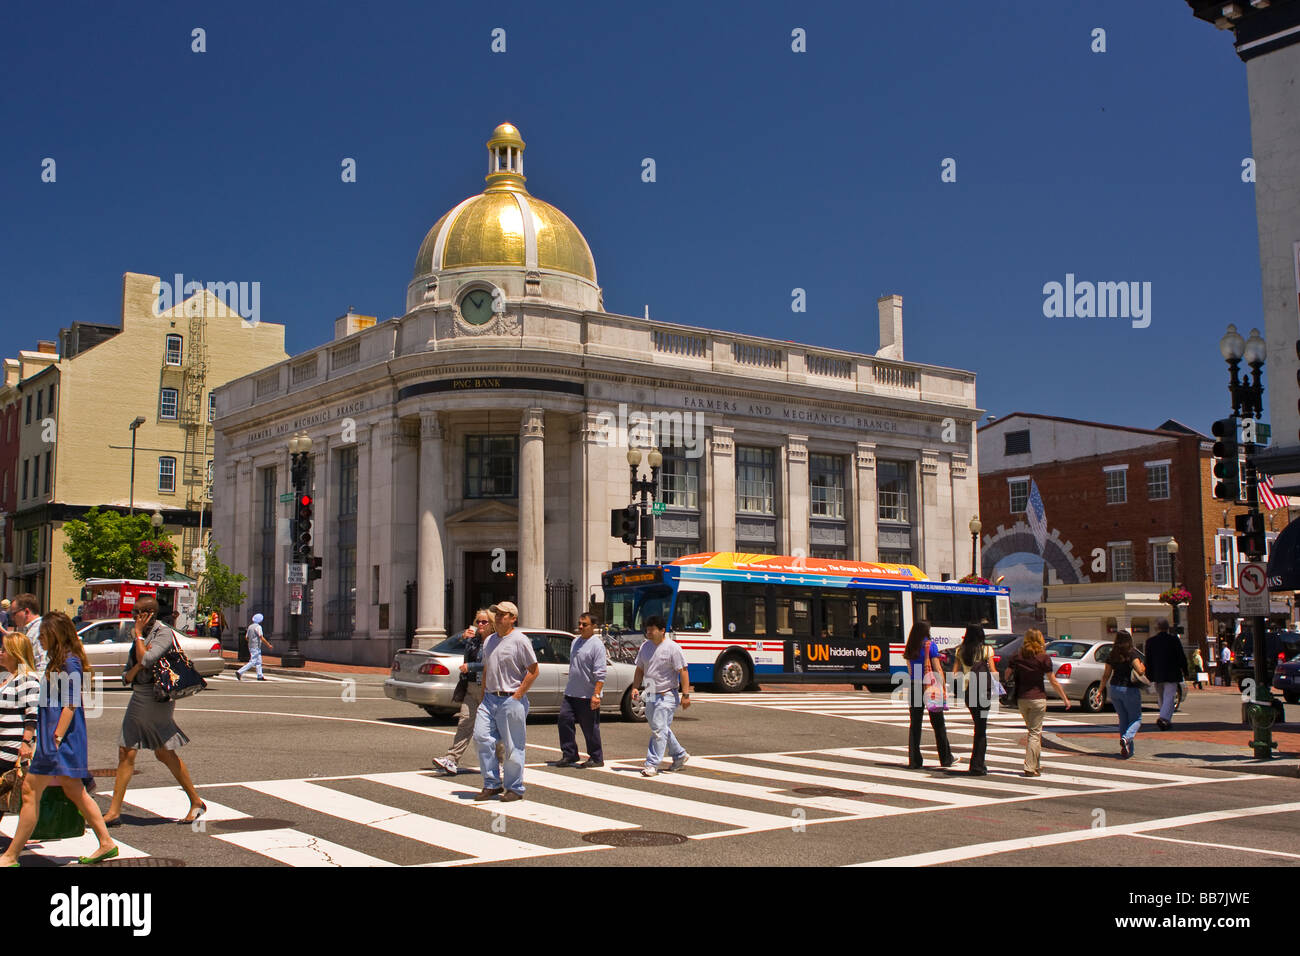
(1230, 607)
(1284, 560)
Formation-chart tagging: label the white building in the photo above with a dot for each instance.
(475, 446)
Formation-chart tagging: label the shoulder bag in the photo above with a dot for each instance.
(174, 674)
(1008, 696)
(935, 700)
(985, 666)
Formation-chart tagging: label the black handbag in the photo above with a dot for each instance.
(174, 676)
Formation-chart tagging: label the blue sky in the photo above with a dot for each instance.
(775, 170)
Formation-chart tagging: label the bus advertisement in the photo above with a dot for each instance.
(740, 617)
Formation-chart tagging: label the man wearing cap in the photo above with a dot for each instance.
(255, 642)
(509, 669)
(5, 620)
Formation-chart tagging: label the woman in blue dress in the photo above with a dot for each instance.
(61, 751)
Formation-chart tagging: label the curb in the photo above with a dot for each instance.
(303, 672)
(1273, 768)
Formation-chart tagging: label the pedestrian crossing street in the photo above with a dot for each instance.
(883, 709)
(414, 818)
(228, 676)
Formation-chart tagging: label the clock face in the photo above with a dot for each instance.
(476, 306)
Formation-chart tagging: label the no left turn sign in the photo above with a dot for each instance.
(1252, 591)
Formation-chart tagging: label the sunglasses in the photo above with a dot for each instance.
(482, 622)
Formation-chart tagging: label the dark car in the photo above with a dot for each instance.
(1278, 646)
(1286, 678)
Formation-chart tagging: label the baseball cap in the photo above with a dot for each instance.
(257, 619)
(5, 603)
(506, 606)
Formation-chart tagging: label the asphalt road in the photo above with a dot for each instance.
(325, 772)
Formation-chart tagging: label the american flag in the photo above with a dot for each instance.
(1036, 516)
(1270, 500)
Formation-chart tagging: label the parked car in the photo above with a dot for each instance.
(107, 644)
(1079, 666)
(1286, 678)
(1278, 645)
(427, 678)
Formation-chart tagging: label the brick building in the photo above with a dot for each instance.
(1113, 498)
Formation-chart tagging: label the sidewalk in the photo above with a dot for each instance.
(273, 665)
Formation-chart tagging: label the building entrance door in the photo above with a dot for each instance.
(489, 579)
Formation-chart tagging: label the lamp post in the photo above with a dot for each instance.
(1172, 547)
(975, 527)
(133, 426)
(299, 465)
(1247, 402)
(645, 489)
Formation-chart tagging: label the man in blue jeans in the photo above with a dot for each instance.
(661, 664)
(509, 669)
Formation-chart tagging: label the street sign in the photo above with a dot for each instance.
(295, 574)
(156, 570)
(198, 560)
(1252, 590)
(295, 592)
(658, 508)
(295, 607)
(286, 498)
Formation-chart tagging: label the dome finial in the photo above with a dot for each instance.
(506, 160)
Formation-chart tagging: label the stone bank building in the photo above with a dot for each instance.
(472, 449)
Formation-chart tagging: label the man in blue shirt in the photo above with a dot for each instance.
(582, 697)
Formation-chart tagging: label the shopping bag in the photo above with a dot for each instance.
(60, 819)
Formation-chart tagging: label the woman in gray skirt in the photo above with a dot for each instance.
(149, 722)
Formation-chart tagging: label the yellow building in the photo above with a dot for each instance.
(74, 418)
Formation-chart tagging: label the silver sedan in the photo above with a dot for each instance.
(1079, 666)
(427, 678)
(108, 642)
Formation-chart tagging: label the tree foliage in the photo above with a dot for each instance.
(220, 587)
(106, 544)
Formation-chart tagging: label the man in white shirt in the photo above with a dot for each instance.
(26, 614)
(663, 667)
(509, 669)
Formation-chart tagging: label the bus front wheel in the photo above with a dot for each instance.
(732, 674)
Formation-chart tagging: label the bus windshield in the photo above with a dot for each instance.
(626, 609)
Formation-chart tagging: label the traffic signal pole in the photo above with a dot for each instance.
(1260, 709)
(300, 554)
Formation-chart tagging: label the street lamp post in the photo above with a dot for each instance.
(1247, 402)
(133, 426)
(975, 527)
(643, 493)
(1173, 577)
(299, 464)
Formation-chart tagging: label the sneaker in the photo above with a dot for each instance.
(589, 764)
(237, 677)
(487, 793)
(447, 764)
(1123, 749)
(261, 678)
(649, 771)
(510, 796)
(680, 762)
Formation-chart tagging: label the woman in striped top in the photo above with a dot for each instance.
(20, 692)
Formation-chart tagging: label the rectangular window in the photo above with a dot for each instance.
(1158, 481)
(826, 485)
(51, 399)
(173, 350)
(49, 471)
(893, 487)
(691, 612)
(36, 475)
(666, 551)
(167, 474)
(1116, 486)
(491, 466)
(1121, 561)
(167, 404)
(1019, 489)
(25, 472)
(756, 480)
(1225, 552)
(29, 410)
(212, 408)
(745, 609)
(679, 479)
(1017, 443)
(830, 554)
(40, 404)
(794, 612)
(1160, 561)
(896, 557)
(34, 546)
(342, 614)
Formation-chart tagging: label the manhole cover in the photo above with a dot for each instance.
(109, 772)
(828, 792)
(251, 823)
(634, 837)
(143, 861)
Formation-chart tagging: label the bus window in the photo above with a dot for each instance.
(839, 616)
(936, 609)
(629, 608)
(745, 608)
(692, 611)
(794, 612)
(881, 612)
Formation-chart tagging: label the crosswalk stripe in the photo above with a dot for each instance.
(480, 846)
(67, 851)
(172, 802)
(1098, 776)
(295, 848)
(452, 792)
(914, 793)
(649, 800)
(958, 780)
(1109, 771)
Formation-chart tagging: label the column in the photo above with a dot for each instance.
(865, 514)
(324, 536)
(365, 617)
(430, 628)
(595, 436)
(532, 518)
(404, 527)
(379, 529)
(795, 504)
(722, 488)
(926, 530)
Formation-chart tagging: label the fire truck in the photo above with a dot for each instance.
(105, 598)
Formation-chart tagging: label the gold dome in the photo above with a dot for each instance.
(504, 225)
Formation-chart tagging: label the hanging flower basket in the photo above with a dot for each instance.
(974, 579)
(160, 550)
(1176, 596)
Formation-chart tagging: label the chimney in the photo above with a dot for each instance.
(891, 327)
(48, 347)
(352, 323)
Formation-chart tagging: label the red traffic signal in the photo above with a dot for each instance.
(305, 501)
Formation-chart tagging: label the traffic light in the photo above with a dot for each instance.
(623, 523)
(302, 526)
(314, 572)
(1250, 531)
(1227, 476)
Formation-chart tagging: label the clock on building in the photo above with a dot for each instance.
(476, 306)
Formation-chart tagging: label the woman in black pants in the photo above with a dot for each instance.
(974, 661)
(924, 669)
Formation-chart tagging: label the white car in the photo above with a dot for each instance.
(108, 642)
(427, 678)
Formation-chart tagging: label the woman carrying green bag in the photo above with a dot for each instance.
(61, 752)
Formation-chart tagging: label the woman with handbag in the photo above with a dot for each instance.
(20, 693)
(61, 741)
(973, 660)
(1123, 679)
(1027, 669)
(925, 693)
(149, 722)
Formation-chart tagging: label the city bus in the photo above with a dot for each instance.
(738, 617)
